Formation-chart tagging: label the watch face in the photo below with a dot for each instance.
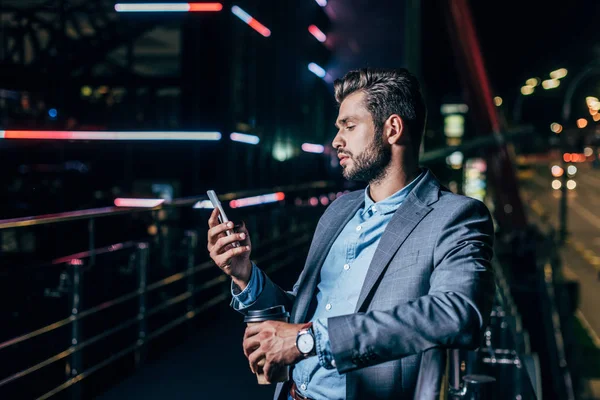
(306, 343)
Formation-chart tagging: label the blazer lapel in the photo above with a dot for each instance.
(334, 224)
(405, 219)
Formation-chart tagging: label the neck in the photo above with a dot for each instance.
(396, 178)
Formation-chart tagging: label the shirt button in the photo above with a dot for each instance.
(328, 306)
(303, 386)
(373, 208)
(358, 228)
(346, 267)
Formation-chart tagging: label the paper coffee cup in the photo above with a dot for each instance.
(254, 317)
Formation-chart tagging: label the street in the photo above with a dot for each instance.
(581, 254)
(582, 251)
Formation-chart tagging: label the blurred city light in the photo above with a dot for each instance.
(582, 123)
(205, 204)
(52, 113)
(108, 135)
(593, 103)
(450, 108)
(533, 82)
(557, 171)
(526, 90)
(550, 84)
(556, 184)
(574, 157)
(317, 70)
(313, 148)
(322, 3)
(282, 151)
(253, 23)
(588, 151)
(591, 100)
(130, 202)
(86, 91)
(559, 73)
(256, 200)
(556, 127)
(571, 170)
(244, 138)
(317, 33)
(455, 160)
(571, 184)
(168, 7)
(498, 101)
(596, 117)
(454, 125)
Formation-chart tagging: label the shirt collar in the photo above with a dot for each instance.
(391, 203)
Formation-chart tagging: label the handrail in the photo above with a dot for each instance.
(127, 323)
(428, 157)
(111, 211)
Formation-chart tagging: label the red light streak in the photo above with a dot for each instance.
(260, 28)
(201, 7)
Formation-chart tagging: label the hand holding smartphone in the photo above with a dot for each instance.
(214, 199)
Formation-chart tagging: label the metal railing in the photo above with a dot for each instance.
(187, 290)
(503, 367)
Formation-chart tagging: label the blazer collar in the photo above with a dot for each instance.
(407, 217)
(409, 214)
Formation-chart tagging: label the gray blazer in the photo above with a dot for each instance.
(429, 287)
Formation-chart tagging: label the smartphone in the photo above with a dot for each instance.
(214, 199)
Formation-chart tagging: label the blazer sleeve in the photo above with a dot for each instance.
(453, 312)
(273, 295)
(270, 296)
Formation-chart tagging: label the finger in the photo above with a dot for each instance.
(241, 228)
(224, 243)
(218, 231)
(224, 260)
(252, 330)
(213, 220)
(268, 371)
(254, 359)
(250, 345)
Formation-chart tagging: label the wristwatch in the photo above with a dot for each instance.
(305, 341)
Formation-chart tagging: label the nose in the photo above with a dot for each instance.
(337, 141)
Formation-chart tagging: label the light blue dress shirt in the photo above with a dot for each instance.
(341, 280)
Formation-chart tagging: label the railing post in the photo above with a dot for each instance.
(192, 245)
(454, 372)
(92, 240)
(142, 258)
(76, 272)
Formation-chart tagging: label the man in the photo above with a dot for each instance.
(395, 274)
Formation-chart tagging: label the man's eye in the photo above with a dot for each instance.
(350, 127)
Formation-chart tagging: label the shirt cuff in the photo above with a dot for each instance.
(323, 345)
(248, 296)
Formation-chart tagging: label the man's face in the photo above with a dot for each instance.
(362, 151)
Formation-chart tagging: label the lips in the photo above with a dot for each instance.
(343, 158)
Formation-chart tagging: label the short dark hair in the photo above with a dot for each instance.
(388, 91)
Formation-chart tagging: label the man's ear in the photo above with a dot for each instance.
(394, 129)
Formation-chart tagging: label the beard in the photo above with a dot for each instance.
(370, 165)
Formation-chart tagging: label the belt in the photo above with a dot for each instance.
(295, 395)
